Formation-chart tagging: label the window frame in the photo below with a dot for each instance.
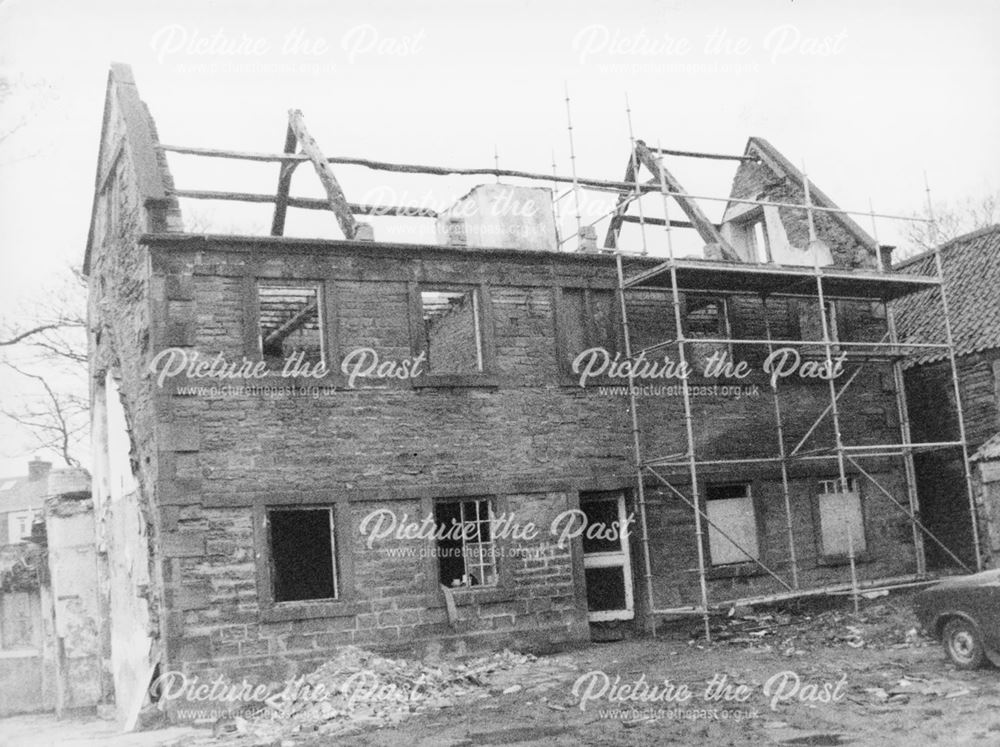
(835, 559)
(487, 376)
(302, 609)
(503, 590)
(490, 505)
(590, 331)
(326, 316)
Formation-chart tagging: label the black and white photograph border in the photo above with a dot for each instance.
(479, 373)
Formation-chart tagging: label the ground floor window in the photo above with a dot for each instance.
(303, 554)
(840, 516)
(732, 529)
(465, 546)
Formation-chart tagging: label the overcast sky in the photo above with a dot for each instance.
(868, 95)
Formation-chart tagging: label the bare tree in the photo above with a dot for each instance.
(44, 360)
(950, 222)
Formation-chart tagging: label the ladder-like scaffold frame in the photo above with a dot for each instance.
(842, 453)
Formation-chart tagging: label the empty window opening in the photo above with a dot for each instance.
(452, 331)
(303, 556)
(730, 509)
(465, 547)
(841, 516)
(289, 323)
(705, 318)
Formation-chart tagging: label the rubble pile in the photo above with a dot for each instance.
(359, 689)
(882, 625)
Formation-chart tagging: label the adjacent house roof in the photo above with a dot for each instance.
(972, 281)
(19, 493)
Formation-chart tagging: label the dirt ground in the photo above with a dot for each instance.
(805, 675)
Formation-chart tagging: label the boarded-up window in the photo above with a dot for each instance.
(290, 324)
(840, 516)
(452, 328)
(732, 530)
(588, 318)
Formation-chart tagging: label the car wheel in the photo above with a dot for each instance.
(963, 644)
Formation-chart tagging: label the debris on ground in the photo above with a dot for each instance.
(793, 631)
(359, 689)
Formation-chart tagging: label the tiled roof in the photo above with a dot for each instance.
(19, 493)
(989, 450)
(972, 282)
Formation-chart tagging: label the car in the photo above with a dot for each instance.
(963, 612)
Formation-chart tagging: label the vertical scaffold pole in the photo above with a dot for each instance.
(572, 164)
(950, 340)
(782, 453)
(834, 410)
(688, 420)
(903, 413)
(637, 449)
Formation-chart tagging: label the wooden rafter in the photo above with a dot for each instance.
(705, 228)
(293, 323)
(284, 184)
(334, 192)
(614, 227)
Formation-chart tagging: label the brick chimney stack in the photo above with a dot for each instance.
(38, 469)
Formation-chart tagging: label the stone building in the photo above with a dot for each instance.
(971, 270)
(420, 476)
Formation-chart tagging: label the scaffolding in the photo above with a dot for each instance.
(729, 277)
(820, 284)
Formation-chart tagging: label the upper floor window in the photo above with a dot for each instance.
(290, 323)
(451, 329)
(587, 318)
(706, 317)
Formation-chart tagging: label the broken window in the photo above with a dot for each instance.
(289, 323)
(705, 317)
(465, 545)
(841, 517)
(732, 531)
(588, 318)
(303, 554)
(452, 331)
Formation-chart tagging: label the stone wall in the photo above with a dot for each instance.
(526, 437)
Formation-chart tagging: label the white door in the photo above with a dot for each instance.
(606, 564)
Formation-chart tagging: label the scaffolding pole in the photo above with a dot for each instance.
(688, 424)
(834, 410)
(782, 454)
(637, 448)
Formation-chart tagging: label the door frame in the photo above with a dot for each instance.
(620, 558)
